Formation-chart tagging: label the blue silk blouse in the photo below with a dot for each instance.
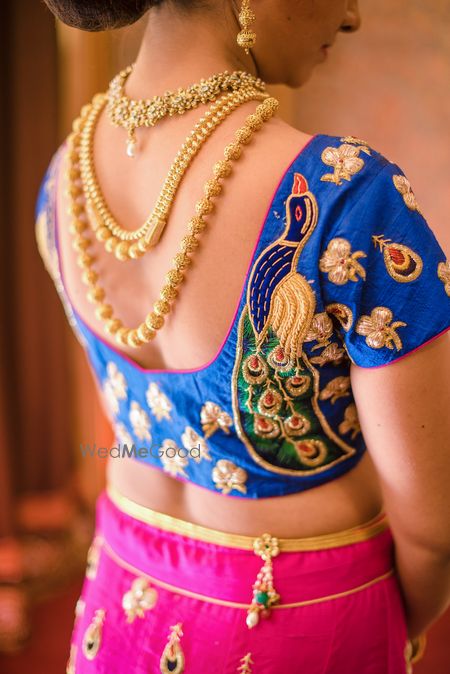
(345, 270)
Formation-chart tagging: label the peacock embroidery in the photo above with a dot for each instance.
(275, 387)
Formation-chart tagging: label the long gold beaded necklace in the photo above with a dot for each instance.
(126, 244)
(147, 330)
(130, 114)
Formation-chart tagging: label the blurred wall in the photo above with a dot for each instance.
(389, 84)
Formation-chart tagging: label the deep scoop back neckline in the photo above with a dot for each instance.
(203, 368)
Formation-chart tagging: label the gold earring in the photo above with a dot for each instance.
(246, 37)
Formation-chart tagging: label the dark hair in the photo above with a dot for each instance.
(96, 15)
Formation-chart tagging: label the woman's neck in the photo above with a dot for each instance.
(179, 48)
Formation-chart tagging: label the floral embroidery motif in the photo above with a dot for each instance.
(443, 272)
(192, 440)
(331, 354)
(377, 329)
(340, 263)
(357, 141)
(227, 476)
(114, 387)
(403, 186)
(350, 422)
(139, 599)
(321, 330)
(345, 161)
(402, 263)
(212, 418)
(339, 387)
(158, 402)
(342, 312)
(173, 462)
(92, 638)
(172, 659)
(140, 422)
(122, 434)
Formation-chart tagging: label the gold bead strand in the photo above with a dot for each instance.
(146, 331)
(126, 244)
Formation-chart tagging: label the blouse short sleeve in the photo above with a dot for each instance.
(383, 274)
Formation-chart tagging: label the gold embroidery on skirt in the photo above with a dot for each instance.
(92, 638)
(93, 557)
(245, 666)
(70, 667)
(139, 599)
(172, 659)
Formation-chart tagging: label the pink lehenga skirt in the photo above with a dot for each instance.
(165, 595)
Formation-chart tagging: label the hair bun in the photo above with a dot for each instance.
(101, 14)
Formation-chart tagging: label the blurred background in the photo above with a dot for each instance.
(387, 84)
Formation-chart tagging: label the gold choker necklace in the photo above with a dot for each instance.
(131, 114)
(147, 330)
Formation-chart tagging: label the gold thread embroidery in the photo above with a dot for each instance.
(345, 161)
(212, 418)
(443, 272)
(141, 597)
(357, 141)
(92, 638)
(402, 263)
(122, 434)
(339, 387)
(114, 388)
(340, 263)
(286, 302)
(158, 402)
(331, 354)
(227, 476)
(321, 330)
(173, 463)
(245, 664)
(191, 439)
(403, 186)
(350, 422)
(70, 667)
(172, 659)
(140, 421)
(377, 331)
(233, 604)
(93, 558)
(342, 312)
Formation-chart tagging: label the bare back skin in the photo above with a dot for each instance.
(204, 311)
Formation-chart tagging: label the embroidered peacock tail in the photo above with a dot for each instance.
(283, 300)
(277, 418)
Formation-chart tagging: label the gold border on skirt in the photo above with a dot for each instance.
(361, 532)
